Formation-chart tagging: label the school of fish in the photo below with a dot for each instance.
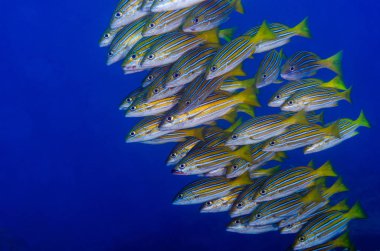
(196, 78)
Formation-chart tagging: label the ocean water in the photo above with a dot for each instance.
(69, 182)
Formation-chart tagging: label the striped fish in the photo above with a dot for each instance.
(244, 204)
(326, 193)
(126, 12)
(347, 129)
(153, 74)
(232, 84)
(157, 90)
(316, 98)
(283, 35)
(210, 14)
(141, 107)
(177, 136)
(291, 181)
(207, 189)
(132, 97)
(173, 46)
(164, 22)
(312, 117)
(325, 227)
(259, 158)
(222, 204)
(305, 64)
(299, 136)
(146, 5)
(133, 59)
(203, 160)
(274, 211)
(342, 241)
(166, 5)
(269, 69)
(289, 89)
(232, 54)
(108, 36)
(215, 173)
(125, 39)
(216, 106)
(191, 65)
(241, 225)
(261, 128)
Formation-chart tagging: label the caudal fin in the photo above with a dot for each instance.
(337, 187)
(302, 29)
(334, 63)
(249, 97)
(244, 153)
(242, 180)
(263, 34)
(247, 109)
(342, 241)
(346, 95)
(336, 83)
(326, 170)
(210, 36)
(227, 34)
(362, 120)
(332, 130)
(239, 6)
(198, 133)
(299, 118)
(356, 212)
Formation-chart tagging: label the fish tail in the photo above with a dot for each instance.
(313, 196)
(244, 153)
(248, 83)
(280, 156)
(334, 63)
(242, 180)
(227, 34)
(326, 170)
(199, 133)
(302, 29)
(337, 187)
(247, 109)
(238, 71)
(234, 125)
(238, 6)
(311, 164)
(332, 130)
(299, 118)
(263, 34)
(346, 95)
(230, 117)
(249, 97)
(321, 183)
(356, 212)
(336, 83)
(340, 206)
(343, 241)
(210, 36)
(362, 120)
(320, 117)
(269, 171)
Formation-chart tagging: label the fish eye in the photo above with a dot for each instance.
(290, 102)
(209, 203)
(187, 102)
(195, 20)
(133, 108)
(213, 68)
(237, 221)
(182, 166)
(173, 155)
(176, 74)
(133, 56)
(170, 118)
(263, 192)
(301, 239)
(258, 216)
(289, 226)
(118, 14)
(150, 77)
(129, 100)
(272, 143)
(292, 68)
(155, 90)
(110, 53)
(132, 133)
(278, 97)
(151, 25)
(265, 76)
(180, 196)
(151, 56)
(107, 35)
(240, 205)
(234, 136)
(234, 167)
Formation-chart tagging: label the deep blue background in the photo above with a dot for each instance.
(69, 182)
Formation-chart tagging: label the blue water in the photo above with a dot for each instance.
(69, 182)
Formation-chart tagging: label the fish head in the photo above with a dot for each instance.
(155, 59)
(215, 69)
(273, 145)
(136, 134)
(174, 157)
(152, 27)
(137, 108)
(289, 71)
(154, 92)
(108, 36)
(116, 54)
(259, 218)
(184, 197)
(212, 206)
(243, 207)
(291, 228)
(237, 168)
(126, 13)
(293, 105)
(304, 240)
(176, 77)
(277, 100)
(184, 167)
(235, 139)
(172, 121)
(132, 97)
(266, 77)
(237, 224)
(132, 61)
(195, 22)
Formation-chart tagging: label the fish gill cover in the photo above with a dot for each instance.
(196, 78)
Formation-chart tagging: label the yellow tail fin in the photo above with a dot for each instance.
(248, 97)
(247, 109)
(332, 130)
(334, 63)
(197, 133)
(238, 6)
(342, 241)
(280, 156)
(346, 95)
(263, 34)
(267, 172)
(244, 153)
(336, 83)
(298, 118)
(362, 120)
(311, 164)
(320, 117)
(302, 29)
(234, 125)
(242, 180)
(313, 196)
(210, 36)
(230, 117)
(227, 34)
(337, 187)
(326, 170)
(238, 71)
(356, 212)
(248, 83)
(340, 206)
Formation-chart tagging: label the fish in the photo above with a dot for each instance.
(125, 39)
(177, 136)
(259, 158)
(206, 189)
(233, 84)
(211, 14)
(342, 241)
(244, 203)
(154, 74)
(196, 93)
(312, 117)
(262, 128)
(292, 87)
(222, 204)
(216, 106)
(233, 53)
(174, 45)
(126, 12)
(182, 149)
(269, 69)
(132, 97)
(166, 21)
(133, 59)
(166, 5)
(274, 211)
(146, 5)
(313, 99)
(299, 136)
(108, 36)
(215, 173)
(305, 64)
(291, 181)
(141, 107)
(241, 225)
(203, 160)
(190, 66)
(283, 35)
(326, 226)
(347, 129)
(261, 172)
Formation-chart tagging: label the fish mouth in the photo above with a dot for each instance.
(177, 172)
